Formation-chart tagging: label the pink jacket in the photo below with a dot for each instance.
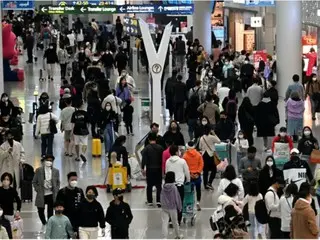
(312, 62)
(165, 156)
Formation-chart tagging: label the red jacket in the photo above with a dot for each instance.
(286, 140)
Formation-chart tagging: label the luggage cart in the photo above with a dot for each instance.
(188, 206)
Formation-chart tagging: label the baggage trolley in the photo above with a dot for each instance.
(118, 178)
(223, 151)
(188, 206)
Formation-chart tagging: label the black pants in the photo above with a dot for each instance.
(285, 235)
(63, 70)
(30, 55)
(246, 83)
(129, 127)
(275, 228)
(178, 112)
(119, 233)
(248, 132)
(198, 188)
(93, 124)
(154, 178)
(181, 193)
(120, 69)
(48, 200)
(46, 144)
(209, 166)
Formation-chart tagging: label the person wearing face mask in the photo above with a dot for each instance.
(304, 220)
(272, 202)
(174, 134)
(46, 183)
(108, 119)
(59, 226)
(225, 128)
(201, 126)
(154, 128)
(9, 195)
(306, 145)
(242, 146)
(51, 59)
(119, 216)
(282, 137)
(12, 155)
(210, 110)
(90, 215)
(129, 79)
(296, 170)
(72, 38)
(83, 60)
(108, 63)
(313, 91)
(121, 60)
(266, 118)
(267, 174)
(71, 196)
(5, 227)
(6, 106)
(226, 70)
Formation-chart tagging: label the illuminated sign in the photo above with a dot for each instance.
(309, 40)
(113, 9)
(260, 3)
(17, 5)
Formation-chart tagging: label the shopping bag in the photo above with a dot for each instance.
(281, 154)
(17, 228)
(221, 167)
(315, 156)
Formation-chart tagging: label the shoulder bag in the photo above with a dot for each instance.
(52, 126)
(215, 156)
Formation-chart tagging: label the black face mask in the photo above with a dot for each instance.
(120, 198)
(91, 196)
(59, 211)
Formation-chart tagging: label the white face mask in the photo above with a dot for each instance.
(1, 213)
(48, 163)
(51, 47)
(204, 123)
(82, 50)
(108, 108)
(210, 74)
(240, 136)
(73, 183)
(226, 63)
(246, 62)
(283, 134)
(6, 183)
(5, 99)
(314, 79)
(270, 163)
(307, 133)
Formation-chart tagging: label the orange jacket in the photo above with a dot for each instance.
(194, 161)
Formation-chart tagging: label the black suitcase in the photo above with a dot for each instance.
(26, 191)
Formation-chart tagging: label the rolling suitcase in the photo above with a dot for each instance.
(96, 147)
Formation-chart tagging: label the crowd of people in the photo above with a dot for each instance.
(207, 102)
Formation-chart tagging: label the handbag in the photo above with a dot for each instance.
(52, 126)
(315, 156)
(216, 159)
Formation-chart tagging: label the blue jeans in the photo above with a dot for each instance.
(255, 226)
(295, 126)
(108, 137)
(192, 124)
(46, 144)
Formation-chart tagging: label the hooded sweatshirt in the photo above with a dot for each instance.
(295, 108)
(170, 198)
(180, 168)
(194, 161)
(304, 223)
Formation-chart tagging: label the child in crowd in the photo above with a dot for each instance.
(128, 117)
(286, 208)
(171, 204)
(251, 198)
(59, 226)
(242, 146)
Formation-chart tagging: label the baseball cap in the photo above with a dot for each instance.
(294, 151)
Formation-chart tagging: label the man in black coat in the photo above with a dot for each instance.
(29, 46)
(180, 96)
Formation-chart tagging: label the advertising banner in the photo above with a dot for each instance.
(17, 5)
(258, 56)
(281, 154)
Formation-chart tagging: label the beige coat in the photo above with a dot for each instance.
(10, 162)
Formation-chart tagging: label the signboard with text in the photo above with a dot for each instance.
(258, 56)
(131, 26)
(85, 3)
(260, 3)
(114, 9)
(17, 5)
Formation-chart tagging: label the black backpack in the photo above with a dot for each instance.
(261, 210)
(195, 98)
(231, 107)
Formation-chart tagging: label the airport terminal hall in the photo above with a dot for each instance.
(160, 119)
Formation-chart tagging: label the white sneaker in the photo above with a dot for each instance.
(43, 229)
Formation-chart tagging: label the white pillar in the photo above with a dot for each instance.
(202, 23)
(269, 37)
(1, 58)
(288, 42)
(69, 21)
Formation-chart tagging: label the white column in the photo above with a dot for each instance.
(269, 37)
(288, 42)
(202, 23)
(69, 21)
(1, 58)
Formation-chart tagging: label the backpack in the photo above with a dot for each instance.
(195, 98)
(217, 221)
(261, 211)
(231, 107)
(231, 73)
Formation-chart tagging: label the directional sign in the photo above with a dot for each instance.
(85, 3)
(156, 68)
(17, 5)
(260, 3)
(131, 26)
(186, 9)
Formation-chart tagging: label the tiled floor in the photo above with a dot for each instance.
(147, 220)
